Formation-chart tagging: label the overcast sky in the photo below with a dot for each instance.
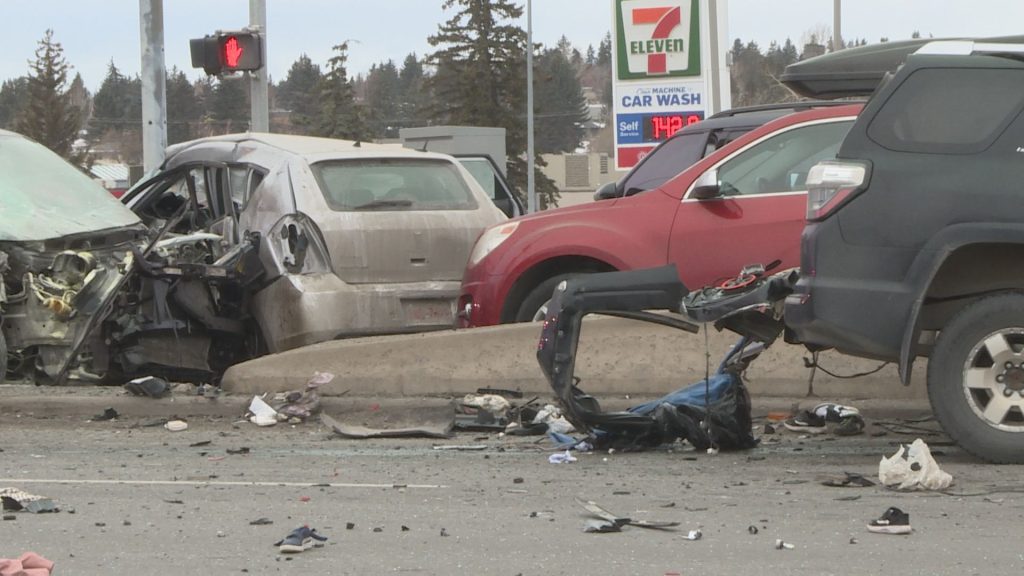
(94, 32)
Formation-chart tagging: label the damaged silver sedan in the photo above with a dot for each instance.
(275, 241)
(66, 246)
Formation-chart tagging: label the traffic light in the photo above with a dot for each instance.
(227, 52)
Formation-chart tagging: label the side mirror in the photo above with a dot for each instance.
(607, 191)
(706, 186)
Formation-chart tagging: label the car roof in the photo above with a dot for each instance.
(753, 116)
(311, 148)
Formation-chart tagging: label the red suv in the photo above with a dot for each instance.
(743, 204)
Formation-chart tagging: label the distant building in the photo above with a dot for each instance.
(113, 177)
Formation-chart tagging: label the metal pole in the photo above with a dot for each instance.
(154, 83)
(531, 192)
(837, 36)
(259, 91)
(716, 73)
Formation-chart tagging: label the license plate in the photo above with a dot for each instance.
(428, 312)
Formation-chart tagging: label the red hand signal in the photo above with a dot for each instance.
(232, 52)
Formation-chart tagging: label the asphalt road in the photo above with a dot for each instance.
(141, 500)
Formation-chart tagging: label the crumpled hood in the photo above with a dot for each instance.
(44, 197)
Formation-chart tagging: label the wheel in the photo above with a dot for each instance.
(976, 378)
(535, 306)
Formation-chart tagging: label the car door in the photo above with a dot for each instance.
(759, 211)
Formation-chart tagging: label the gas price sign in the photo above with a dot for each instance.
(658, 127)
(650, 113)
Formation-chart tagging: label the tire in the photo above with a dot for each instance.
(535, 305)
(976, 378)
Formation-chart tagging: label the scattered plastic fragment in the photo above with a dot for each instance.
(149, 386)
(780, 545)
(752, 529)
(261, 522)
(561, 458)
(304, 403)
(694, 535)
(261, 414)
(176, 425)
(913, 468)
(600, 526)
(108, 414)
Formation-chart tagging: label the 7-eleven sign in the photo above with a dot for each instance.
(657, 38)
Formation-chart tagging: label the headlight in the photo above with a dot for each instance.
(491, 239)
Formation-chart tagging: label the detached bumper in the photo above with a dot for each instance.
(298, 310)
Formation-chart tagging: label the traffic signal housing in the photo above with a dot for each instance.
(227, 52)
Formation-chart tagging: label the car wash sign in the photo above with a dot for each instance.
(658, 86)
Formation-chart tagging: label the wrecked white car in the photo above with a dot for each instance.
(271, 242)
(66, 246)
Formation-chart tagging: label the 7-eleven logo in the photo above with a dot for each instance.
(656, 38)
(665, 19)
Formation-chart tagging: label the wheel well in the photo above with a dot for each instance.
(541, 272)
(967, 274)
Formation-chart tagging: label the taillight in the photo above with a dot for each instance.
(829, 183)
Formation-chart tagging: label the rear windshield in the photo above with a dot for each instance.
(949, 110)
(393, 184)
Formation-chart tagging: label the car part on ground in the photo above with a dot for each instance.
(713, 413)
(913, 245)
(743, 203)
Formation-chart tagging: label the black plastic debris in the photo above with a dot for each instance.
(261, 522)
(108, 414)
(149, 386)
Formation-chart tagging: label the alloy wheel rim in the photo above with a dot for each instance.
(993, 379)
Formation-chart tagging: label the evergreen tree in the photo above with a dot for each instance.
(339, 116)
(591, 58)
(298, 93)
(560, 106)
(414, 100)
(183, 107)
(480, 79)
(13, 95)
(48, 116)
(118, 102)
(228, 106)
(382, 100)
(604, 50)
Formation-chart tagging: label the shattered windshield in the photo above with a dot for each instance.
(42, 196)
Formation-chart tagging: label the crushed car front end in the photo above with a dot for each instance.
(66, 249)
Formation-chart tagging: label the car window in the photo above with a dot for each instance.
(665, 162)
(482, 172)
(393, 184)
(949, 110)
(780, 163)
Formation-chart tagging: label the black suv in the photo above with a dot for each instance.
(915, 240)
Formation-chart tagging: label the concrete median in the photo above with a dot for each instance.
(616, 357)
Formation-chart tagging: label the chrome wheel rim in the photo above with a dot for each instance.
(541, 312)
(993, 379)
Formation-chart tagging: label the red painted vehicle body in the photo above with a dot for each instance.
(708, 240)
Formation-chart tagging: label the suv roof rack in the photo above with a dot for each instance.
(798, 106)
(969, 47)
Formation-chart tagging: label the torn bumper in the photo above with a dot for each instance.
(299, 310)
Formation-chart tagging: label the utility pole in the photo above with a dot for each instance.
(837, 36)
(154, 83)
(531, 191)
(259, 82)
